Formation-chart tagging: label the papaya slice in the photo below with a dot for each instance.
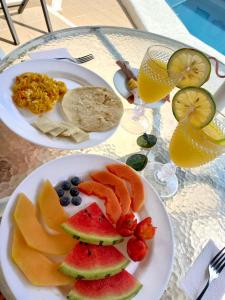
(118, 185)
(137, 187)
(37, 268)
(33, 232)
(52, 212)
(113, 209)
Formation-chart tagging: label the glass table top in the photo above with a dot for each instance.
(197, 211)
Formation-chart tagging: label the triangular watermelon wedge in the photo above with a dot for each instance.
(91, 226)
(88, 261)
(122, 286)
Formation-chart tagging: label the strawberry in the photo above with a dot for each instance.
(144, 230)
(126, 224)
(136, 249)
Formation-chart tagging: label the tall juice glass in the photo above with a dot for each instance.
(189, 147)
(154, 83)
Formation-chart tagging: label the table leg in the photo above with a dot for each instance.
(9, 22)
(22, 6)
(46, 15)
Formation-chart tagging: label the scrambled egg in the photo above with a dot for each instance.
(37, 92)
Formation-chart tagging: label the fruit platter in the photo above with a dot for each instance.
(86, 227)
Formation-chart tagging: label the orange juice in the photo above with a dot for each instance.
(190, 147)
(153, 81)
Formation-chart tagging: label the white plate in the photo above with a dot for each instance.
(18, 120)
(153, 272)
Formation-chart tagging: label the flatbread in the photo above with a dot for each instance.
(92, 108)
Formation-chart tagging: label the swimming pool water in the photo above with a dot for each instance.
(205, 19)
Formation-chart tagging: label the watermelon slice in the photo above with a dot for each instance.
(88, 261)
(91, 226)
(118, 287)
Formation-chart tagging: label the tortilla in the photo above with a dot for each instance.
(92, 108)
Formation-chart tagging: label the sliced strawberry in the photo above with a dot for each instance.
(126, 224)
(144, 230)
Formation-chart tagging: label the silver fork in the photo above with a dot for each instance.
(216, 266)
(78, 60)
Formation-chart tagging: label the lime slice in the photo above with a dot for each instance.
(191, 65)
(214, 133)
(195, 105)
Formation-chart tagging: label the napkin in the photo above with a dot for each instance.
(49, 54)
(197, 276)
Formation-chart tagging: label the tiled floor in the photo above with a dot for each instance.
(31, 24)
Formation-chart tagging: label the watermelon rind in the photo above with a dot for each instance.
(92, 238)
(93, 274)
(126, 296)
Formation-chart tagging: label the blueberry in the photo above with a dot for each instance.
(75, 180)
(74, 191)
(60, 191)
(76, 200)
(66, 185)
(64, 201)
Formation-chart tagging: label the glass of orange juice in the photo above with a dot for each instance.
(154, 84)
(189, 147)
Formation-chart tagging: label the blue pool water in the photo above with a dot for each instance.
(205, 19)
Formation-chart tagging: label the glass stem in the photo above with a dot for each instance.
(165, 173)
(138, 111)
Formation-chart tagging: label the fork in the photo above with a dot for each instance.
(216, 266)
(78, 60)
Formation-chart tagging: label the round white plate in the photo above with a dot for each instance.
(19, 120)
(153, 272)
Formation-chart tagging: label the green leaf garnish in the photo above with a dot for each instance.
(137, 161)
(146, 140)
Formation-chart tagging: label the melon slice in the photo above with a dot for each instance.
(52, 212)
(34, 233)
(117, 185)
(88, 261)
(90, 225)
(137, 187)
(37, 268)
(118, 287)
(112, 206)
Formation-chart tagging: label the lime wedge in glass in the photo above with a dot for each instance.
(191, 66)
(214, 133)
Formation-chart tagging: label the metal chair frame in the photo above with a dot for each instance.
(21, 8)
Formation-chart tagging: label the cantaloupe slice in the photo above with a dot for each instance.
(37, 268)
(52, 212)
(33, 232)
(137, 188)
(117, 184)
(113, 209)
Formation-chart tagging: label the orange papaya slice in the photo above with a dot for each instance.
(113, 209)
(52, 212)
(36, 267)
(33, 232)
(137, 188)
(118, 185)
